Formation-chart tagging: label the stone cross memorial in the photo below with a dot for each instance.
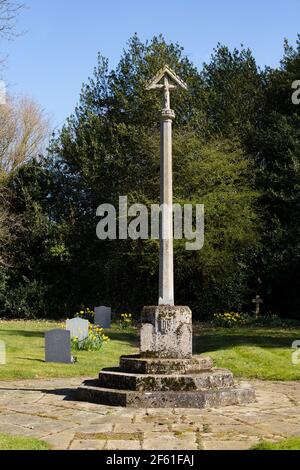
(58, 347)
(103, 317)
(258, 302)
(167, 81)
(2, 353)
(165, 374)
(78, 328)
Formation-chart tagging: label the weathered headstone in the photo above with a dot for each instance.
(103, 317)
(2, 353)
(58, 347)
(78, 328)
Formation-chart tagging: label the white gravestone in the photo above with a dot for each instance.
(58, 347)
(2, 353)
(78, 328)
(103, 317)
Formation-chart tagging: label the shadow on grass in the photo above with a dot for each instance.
(24, 334)
(208, 342)
(128, 338)
(30, 360)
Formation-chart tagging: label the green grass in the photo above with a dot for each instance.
(263, 353)
(26, 352)
(21, 443)
(289, 444)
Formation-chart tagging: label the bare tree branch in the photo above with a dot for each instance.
(23, 130)
(9, 11)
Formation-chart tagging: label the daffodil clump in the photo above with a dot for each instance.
(86, 314)
(230, 320)
(94, 342)
(126, 321)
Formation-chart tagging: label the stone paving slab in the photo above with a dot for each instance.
(46, 409)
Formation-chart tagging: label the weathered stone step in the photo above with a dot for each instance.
(116, 379)
(138, 365)
(91, 392)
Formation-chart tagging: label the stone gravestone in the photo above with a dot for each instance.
(58, 347)
(78, 328)
(103, 317)
(2, 353)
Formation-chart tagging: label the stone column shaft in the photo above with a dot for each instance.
(166, 270)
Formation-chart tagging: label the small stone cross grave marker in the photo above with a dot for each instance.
(58, 347)
(258, 302)
(78, 328)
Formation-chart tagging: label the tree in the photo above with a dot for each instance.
(274, 144)
(23, 130)
(110, 147)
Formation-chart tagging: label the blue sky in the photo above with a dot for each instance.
(59, 49)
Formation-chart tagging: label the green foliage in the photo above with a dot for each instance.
(274, 321)
(21, 443)
(237, 320)
(230, 319)
(274, 142)
(94, 342)
(86, 314)
(236, 150)
(126, 321)
(288, 444)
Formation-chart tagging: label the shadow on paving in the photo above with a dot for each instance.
(69, 393)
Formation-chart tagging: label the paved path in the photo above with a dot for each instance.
(44, 409)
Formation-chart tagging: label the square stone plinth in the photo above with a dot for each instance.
(167, 332)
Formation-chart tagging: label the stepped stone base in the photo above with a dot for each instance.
(165, 374)
(165, 383)
(138, 365)
(91, 392)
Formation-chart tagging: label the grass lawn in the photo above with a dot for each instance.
(263, 353)
(289, 444)
(21, 443)
(26, 353)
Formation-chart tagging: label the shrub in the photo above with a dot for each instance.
(231, 319)
(86, 314)
(274, 321)
(126, 321)
(93, 342)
